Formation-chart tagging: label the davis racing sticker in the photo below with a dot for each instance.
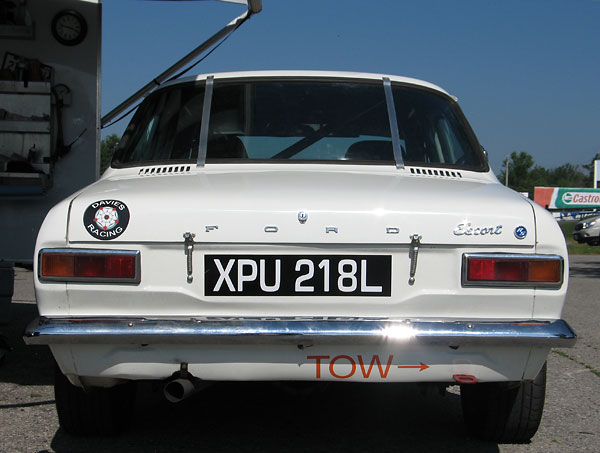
(106, 219)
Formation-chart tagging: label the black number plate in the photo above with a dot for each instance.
(297, 275)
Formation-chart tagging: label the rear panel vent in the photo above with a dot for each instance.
(166, 170)
(418, 171)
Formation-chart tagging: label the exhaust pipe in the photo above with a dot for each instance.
(179, 389)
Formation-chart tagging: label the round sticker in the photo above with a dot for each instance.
(106, 219)
(520, 232)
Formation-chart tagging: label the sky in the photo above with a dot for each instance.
(526, 72)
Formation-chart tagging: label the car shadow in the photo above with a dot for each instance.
(24, 365)
(266, 417)
(589, 268)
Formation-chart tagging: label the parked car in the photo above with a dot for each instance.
(587, 231)
(301, 226)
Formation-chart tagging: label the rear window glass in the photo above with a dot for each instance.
(278, 121)
(296, 121)
(433, 130)
(166, 127)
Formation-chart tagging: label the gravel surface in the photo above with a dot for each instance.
(275, 418)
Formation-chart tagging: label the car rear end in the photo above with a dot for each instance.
(358, 277)
(357, 239)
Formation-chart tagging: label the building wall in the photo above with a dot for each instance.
(78, 67)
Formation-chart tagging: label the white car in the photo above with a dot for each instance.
(300, 226)
(587, 231)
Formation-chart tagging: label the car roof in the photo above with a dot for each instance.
(309, 74)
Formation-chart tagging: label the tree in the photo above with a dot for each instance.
(520, 172)
(524, 175)
(590, 168)
(107, 149)
(568, 175)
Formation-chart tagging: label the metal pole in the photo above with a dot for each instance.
(176, 67)
(596, 166)
(506, 172)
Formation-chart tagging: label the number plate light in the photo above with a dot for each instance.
(89, 265)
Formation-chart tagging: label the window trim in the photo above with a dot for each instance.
(391, 109)
(205, 122)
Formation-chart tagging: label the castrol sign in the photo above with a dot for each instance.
(567, 198)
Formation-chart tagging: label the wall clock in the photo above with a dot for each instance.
(69, 27)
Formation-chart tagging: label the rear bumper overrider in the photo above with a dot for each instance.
(298, 331)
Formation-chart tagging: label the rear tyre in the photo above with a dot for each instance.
(502, 412)
(93, 412)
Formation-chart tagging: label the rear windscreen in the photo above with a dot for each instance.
(281, 121)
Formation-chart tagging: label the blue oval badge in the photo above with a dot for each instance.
(521, 232)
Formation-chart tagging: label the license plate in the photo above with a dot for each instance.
(297, 275)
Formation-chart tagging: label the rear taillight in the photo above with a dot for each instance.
(89, 265)
(482, 269)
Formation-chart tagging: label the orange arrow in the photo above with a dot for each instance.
(421, 367)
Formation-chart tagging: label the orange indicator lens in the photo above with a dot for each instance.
(57, 265)
(544, 271)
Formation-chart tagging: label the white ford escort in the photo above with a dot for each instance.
(300, 226)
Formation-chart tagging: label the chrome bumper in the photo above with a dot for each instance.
(296, 331)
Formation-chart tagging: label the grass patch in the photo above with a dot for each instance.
(573, 246)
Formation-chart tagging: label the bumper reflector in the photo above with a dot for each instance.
(512, 270)
(88, 265)
(465, 379)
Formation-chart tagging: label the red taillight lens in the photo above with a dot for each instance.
(104, 266)
(532, 269)
(89, 265)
